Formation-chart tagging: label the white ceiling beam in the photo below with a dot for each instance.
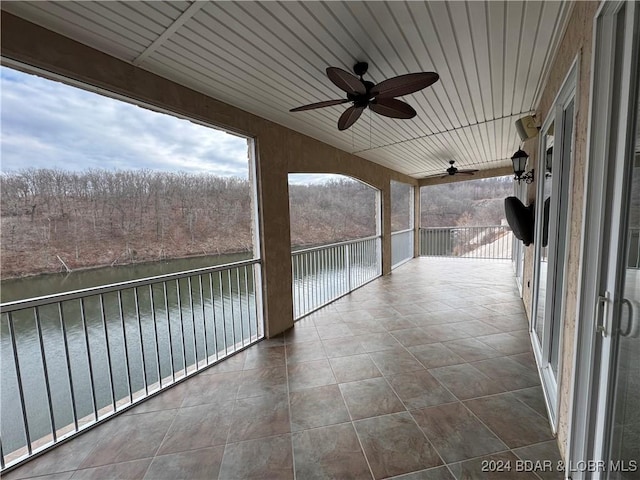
(171, 29)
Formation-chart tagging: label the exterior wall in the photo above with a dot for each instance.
(279, 151)
(577, 40)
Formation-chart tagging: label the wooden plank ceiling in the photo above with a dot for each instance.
(268, 57)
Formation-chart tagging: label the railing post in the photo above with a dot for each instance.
(16, 360)
(45, 371)
(347, 256)
(65, 340)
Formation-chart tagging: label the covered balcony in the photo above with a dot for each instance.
(405, 366)
(426, 373)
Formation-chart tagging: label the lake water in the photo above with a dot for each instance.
(131, 344)
(36, 286)
(105, 348)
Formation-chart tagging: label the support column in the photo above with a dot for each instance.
(273, 204)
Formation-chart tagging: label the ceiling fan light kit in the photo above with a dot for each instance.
(380, 98)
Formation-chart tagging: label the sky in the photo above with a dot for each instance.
(48, 124)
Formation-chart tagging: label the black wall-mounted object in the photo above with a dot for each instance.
(545, 222)
(520, 219)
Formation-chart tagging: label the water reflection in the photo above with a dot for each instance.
(106, 348)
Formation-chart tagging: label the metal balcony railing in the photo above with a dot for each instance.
(493, 242)
(401, 247)
(323, 274)
(71, 360)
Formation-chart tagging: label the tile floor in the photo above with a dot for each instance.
(423, 374)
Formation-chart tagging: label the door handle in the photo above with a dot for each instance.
(602, 314)
(632, 324)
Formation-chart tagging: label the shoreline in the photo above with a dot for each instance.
(110, 266)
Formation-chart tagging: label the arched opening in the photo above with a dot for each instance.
(335, 238)
(129, 251)
(466, 219)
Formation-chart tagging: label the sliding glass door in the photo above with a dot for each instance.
(553, 171)
(605, 426)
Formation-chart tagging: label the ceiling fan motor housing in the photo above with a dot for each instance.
(362, 100)
(360, 68)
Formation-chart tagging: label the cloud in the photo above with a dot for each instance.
(48, 124)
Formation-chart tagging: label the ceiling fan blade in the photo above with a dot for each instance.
(404, 84)
(349, 117)
(436, 175)
(326, 103)
(468, 171)
(346, 81)
(390, 107)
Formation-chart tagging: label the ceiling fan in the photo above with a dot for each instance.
(452, 170)
(380, 98)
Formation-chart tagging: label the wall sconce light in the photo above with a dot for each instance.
(519, 160)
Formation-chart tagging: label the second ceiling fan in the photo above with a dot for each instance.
(380, 98)
(452, 170)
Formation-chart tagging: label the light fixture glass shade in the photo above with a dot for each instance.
(519, 160)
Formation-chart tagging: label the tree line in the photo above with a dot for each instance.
(471, 203)
(54, 219)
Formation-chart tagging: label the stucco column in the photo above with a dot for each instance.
(273, 204)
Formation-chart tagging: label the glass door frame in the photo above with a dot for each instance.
(558, 234)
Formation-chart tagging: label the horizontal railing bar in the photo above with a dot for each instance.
(506, 227)
(333, 245)
(87, 292)
(402, 231)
